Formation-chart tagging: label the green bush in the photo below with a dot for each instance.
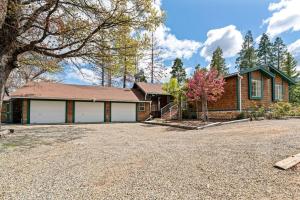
(280, 110)
(295, 111)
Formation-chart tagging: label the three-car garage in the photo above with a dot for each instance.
(57, 103)
(55, 112)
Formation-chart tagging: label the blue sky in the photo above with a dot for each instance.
(193, 19)
(194, 28)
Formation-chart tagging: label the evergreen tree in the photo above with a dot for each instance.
(178, 71)
(218, 62)
(265, 52)
(247, 57)
(279, 51)
(290, 66)
(198, 66)
(140, 76)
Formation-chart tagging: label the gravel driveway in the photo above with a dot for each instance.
(138, 161)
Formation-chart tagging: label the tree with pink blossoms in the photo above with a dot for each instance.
(205, 86)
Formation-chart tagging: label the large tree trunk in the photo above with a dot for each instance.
(109, 78)
(204, 109)
(152, 59)
(102, 76)
(124, 76)
(180, 108)
(4, 73)
(3, 10)
(197, 110)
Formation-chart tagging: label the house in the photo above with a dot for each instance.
(46, 103)
(156, 95)
(56, 103)
(258, 86)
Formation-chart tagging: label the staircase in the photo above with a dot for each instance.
(169, 112)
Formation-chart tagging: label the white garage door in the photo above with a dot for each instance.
(89, 112)
(123, 112)
(47, 112)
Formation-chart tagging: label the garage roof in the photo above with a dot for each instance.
(149, 88)
(59, 91)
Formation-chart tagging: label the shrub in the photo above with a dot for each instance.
(256, 111)
(241, 115)
(295, 111)
(280, 110)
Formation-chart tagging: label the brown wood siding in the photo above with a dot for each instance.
(25, 110)
(107, 111)
(143, 115)
(70, 111)
(3, 112)
(280, 81)
(266, 99)
(228, 101)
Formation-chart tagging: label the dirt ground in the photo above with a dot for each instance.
(139, 161)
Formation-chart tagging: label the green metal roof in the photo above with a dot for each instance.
(282, 75)
(261, 69)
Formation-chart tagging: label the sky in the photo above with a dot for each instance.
(193, 29)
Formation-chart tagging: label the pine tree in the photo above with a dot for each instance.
(178, 71)
(264, 52)
(247, 57)
(290, 66)
(218, 62)
(279, 52)
(198, 66)
(140, 76)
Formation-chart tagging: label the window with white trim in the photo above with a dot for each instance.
(256, 88)
(278, 92)
(142, 107)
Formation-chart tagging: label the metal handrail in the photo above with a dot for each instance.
(166, 108)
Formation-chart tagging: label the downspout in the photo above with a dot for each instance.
(240, 91)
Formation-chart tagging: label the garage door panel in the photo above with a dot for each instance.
(47, 112)
(123, 112)
(89, 112)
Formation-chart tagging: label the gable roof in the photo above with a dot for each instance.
(282, 75)
(261, 69)
(59, 91)
(150, 88)
(269, 73)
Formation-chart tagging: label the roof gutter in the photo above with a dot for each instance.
(240, 91)
(70, 99)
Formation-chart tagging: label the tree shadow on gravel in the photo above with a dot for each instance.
(36, 136)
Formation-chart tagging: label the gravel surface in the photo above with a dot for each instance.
(139, 161)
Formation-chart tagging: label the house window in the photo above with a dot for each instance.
(278, 92)
(256, 88)
(141, 107)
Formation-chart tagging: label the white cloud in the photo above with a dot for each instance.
(174, 47)
(294, 48)
(171, 45)
(227, 38)
(84, 75)
(285, 17)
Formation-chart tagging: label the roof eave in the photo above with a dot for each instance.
(283, 75)
(77, 99)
